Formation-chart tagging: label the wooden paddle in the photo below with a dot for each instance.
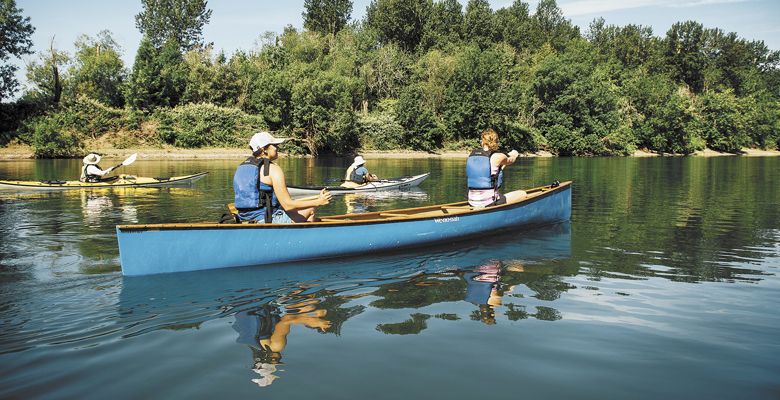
(127, 161)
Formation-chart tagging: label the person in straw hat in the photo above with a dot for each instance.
(261, 193)
(92, 172)
(357, 174)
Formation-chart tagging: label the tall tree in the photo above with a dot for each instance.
(98, 70)
(445, 24)
(327, 17)
(685, 44)
(399, 21)
(15, 32)
(181, 20)
(478, 23)
(46, 75)
(513, 25)
(159, 77)
(551, 27)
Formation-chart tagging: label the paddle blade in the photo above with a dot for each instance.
(130, 160)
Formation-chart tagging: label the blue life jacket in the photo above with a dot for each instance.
(250, 193)
(478, 171)
(357, 178)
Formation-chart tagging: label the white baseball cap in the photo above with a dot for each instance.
(91, 158)
(262, 139)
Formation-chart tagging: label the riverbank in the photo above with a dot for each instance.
(20, 152)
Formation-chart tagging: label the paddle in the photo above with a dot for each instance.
(127, 161)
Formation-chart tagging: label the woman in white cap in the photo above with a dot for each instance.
(261, 191)
(92, 172)
(357, 173)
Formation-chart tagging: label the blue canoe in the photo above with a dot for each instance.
(166, 248)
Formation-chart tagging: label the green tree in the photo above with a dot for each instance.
(632, 45)
(579, 112)
(327, 17)
(513, 25)
(159, 76)
(444, 26)
(478, 23)
(98, 71)
(180, 20)
(724, 121)
(210, 79)
(685, 44)
(549, 26)
(15, 32)
(399, 21)
(473, 94)
(48, 76)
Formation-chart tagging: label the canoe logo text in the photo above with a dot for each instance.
(445, 220)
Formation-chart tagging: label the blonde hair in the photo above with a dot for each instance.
(490, 139)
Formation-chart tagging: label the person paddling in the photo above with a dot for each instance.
(91, 172)
(357, 173)
(261, 191)
(485, 173)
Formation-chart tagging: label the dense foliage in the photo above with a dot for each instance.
(414, 74)
(15, 32)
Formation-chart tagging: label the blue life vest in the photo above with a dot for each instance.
(357, 178)
(250, 193)
(478, 171)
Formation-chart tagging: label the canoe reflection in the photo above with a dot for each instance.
(487, 283)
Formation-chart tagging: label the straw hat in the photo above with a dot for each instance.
(91, 158)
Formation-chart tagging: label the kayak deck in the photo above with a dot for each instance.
(122, 181)
(374, 186)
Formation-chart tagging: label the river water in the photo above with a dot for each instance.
(663, 285)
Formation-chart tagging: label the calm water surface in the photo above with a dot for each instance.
(663, 285)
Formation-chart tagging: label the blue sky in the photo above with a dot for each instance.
(237, 24)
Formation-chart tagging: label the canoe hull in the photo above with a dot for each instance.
(388, 184)
(146, 250)
(120, 183)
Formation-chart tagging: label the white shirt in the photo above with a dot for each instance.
(94, 170)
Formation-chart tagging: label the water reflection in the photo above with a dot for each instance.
(265, 303)
(265, 329)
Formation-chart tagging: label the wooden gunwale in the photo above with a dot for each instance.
(406, 214)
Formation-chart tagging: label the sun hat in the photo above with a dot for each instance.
(359, 161)
(91, 158)
(262, 139)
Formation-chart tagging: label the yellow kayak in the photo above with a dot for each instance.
(123, 181)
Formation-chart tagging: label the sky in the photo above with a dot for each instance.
(238, 24)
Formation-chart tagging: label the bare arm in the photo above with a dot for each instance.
(283, 195)
(503, 160)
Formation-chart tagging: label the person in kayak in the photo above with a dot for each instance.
(357, 174)
(261, 191)
(91, 172)
(485, 173)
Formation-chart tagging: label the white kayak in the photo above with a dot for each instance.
(403, 182)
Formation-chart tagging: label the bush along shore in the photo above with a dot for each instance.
(392, 83)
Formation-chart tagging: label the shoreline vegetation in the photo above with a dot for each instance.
(22, 152)
(413, 78)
